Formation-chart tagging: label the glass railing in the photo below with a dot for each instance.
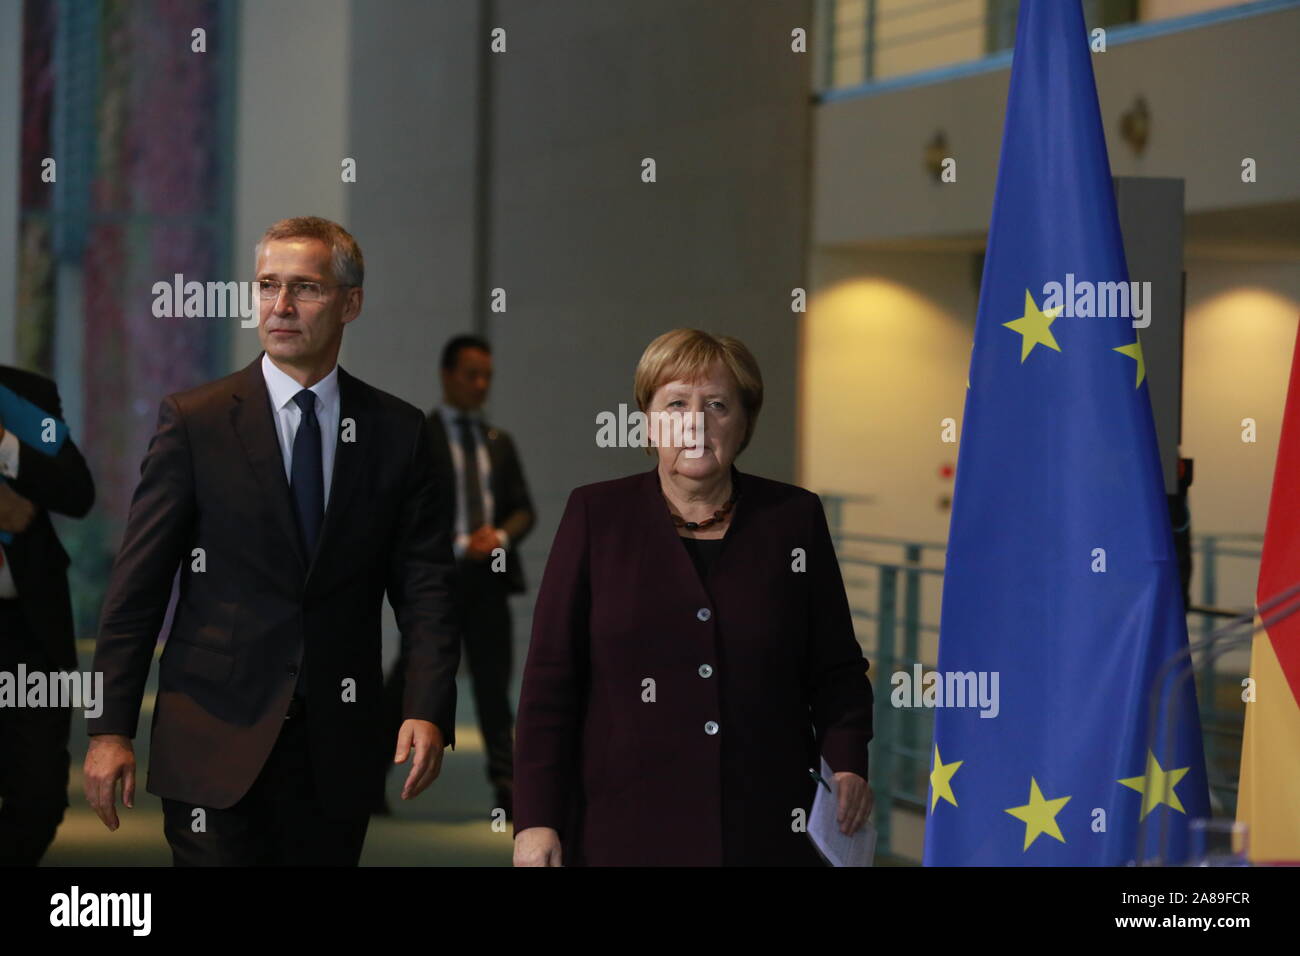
(859, 44)
(894, 587)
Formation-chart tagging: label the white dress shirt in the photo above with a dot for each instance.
(460, 540)
(9, 452)
(287, 414)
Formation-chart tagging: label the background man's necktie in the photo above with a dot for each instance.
(473, 487)
(307, 477)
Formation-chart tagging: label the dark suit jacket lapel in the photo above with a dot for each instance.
(441, 450)
(676, 569)
(349, 457)
(496, 458)
(251, 415)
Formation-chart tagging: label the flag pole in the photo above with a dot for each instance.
(1180, 667)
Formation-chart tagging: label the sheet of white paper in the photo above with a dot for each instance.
(839, 849)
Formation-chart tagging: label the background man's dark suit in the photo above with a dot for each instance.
(37, 629)
(214, 479)
(482, 599)
(512, 507)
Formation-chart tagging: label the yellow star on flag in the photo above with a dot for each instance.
(1039, 814)
(1134, 351)
(1034, 328)
(941, 780)
(1161, 789)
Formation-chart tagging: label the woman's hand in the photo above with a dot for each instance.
(539, 846)
(856, 801)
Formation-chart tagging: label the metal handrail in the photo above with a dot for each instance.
(899, 751)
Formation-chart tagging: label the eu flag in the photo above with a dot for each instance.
(1061, 576)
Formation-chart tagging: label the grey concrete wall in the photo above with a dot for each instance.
(597, 263)
(413, 91)
(291, 122)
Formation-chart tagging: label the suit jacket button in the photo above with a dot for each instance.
(711, 727)
(704, 614)
(706, 670)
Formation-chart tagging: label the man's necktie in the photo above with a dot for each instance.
(473, 486)
(307, 478)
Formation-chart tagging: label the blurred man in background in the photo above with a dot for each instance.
(493, 515)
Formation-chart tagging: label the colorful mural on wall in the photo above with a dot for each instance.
(139, 125)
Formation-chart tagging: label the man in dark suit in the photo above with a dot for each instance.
(35, 622)
(492, 516)
(291, 496)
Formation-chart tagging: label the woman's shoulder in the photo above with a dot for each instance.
(776, 493)
(613, 491)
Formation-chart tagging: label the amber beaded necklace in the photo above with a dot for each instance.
(718, 516)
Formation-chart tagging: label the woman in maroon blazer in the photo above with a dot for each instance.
(692, 651)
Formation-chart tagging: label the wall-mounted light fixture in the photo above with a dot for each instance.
(1135, 125)
(935, 152)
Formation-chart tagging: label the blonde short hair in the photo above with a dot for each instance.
(687, 355)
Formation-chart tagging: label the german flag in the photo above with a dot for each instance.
(1269, 801)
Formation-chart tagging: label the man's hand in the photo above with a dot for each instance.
(425, 739)
(109, 758)
(482, 543)
(856, 801)
(16, 512)
(537, 846)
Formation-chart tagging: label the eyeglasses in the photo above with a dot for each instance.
(299, 291)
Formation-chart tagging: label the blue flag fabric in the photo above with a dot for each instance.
(1061, 576)
(31, 426)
